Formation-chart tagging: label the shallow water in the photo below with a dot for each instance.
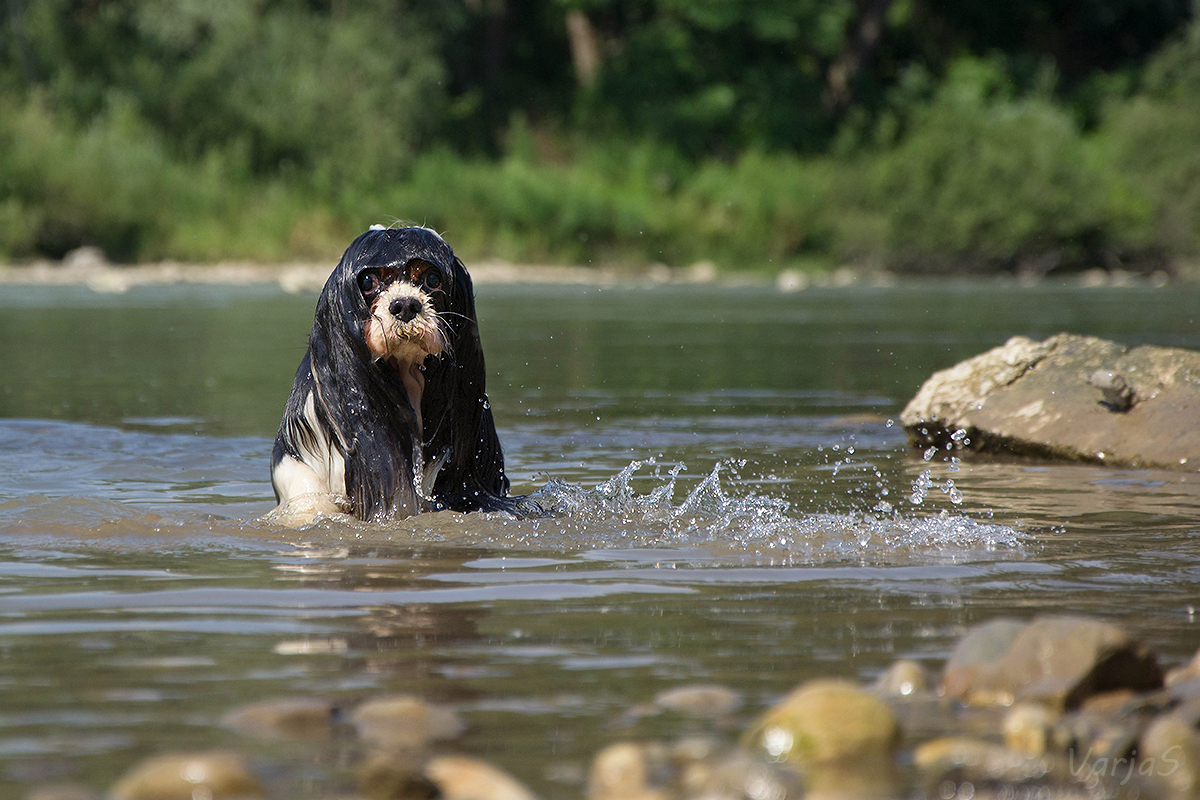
(736, 507)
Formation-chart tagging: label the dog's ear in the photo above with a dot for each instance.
(457, 414)
(365, 408)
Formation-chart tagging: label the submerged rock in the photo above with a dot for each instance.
(1056, 660)
(1169, 752)
(700, 700)
(623, 771)
(903, 679)
(215, 775)
(287, 718)
(1029, 728)
(1070, 397)
(404, 722)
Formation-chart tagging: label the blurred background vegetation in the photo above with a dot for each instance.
(914, 135)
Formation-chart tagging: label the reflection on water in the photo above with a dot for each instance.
(731, 504)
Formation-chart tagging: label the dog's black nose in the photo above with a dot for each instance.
(405, 308)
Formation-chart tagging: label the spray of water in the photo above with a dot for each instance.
(613, 513)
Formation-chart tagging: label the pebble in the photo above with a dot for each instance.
(903, 679)
(622, 771)
(976, 760)
(1169, 752)
(287, 718)
(463, 778)
(700, 700)
(1028, 728)
(827, 721)
(216, 775)
(1085, 696)
(405, 722)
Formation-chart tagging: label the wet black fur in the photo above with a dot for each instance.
(366, 409)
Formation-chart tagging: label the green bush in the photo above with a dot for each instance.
(104, 183)
(984, 180)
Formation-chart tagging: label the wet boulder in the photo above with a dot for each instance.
(1059, 661)
(1069, 397)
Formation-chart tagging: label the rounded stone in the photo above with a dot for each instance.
(405, 722)
(1059, 661)
(1169, 751)
(464, 778)
(215, 775)
(700, 700)
(1028, 728)
(622, 771)
(903, 679)
(285, 718)
(827, 721)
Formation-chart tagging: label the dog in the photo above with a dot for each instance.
(388, 416)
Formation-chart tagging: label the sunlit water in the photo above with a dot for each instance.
(731, 502)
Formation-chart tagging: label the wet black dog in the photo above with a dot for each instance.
(388, 416)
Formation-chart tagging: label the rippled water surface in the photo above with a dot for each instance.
(735, 506)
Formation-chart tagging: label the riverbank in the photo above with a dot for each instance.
(88, 267)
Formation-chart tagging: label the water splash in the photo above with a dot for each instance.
(710, 514)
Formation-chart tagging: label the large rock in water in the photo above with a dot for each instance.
(1070, 397)
(1058, 661)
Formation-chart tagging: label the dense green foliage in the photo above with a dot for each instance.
(914, 134)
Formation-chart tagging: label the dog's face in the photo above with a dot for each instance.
(405, 323)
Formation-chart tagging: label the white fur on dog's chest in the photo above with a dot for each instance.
(321, 470)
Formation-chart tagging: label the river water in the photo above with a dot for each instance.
(736, 506)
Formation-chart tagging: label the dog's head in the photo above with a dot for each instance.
(395, 352)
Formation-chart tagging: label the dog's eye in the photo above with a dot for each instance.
(369, 283)
(431, 281)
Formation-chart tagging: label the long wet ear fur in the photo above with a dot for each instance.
(457, 415)
(369, 415)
